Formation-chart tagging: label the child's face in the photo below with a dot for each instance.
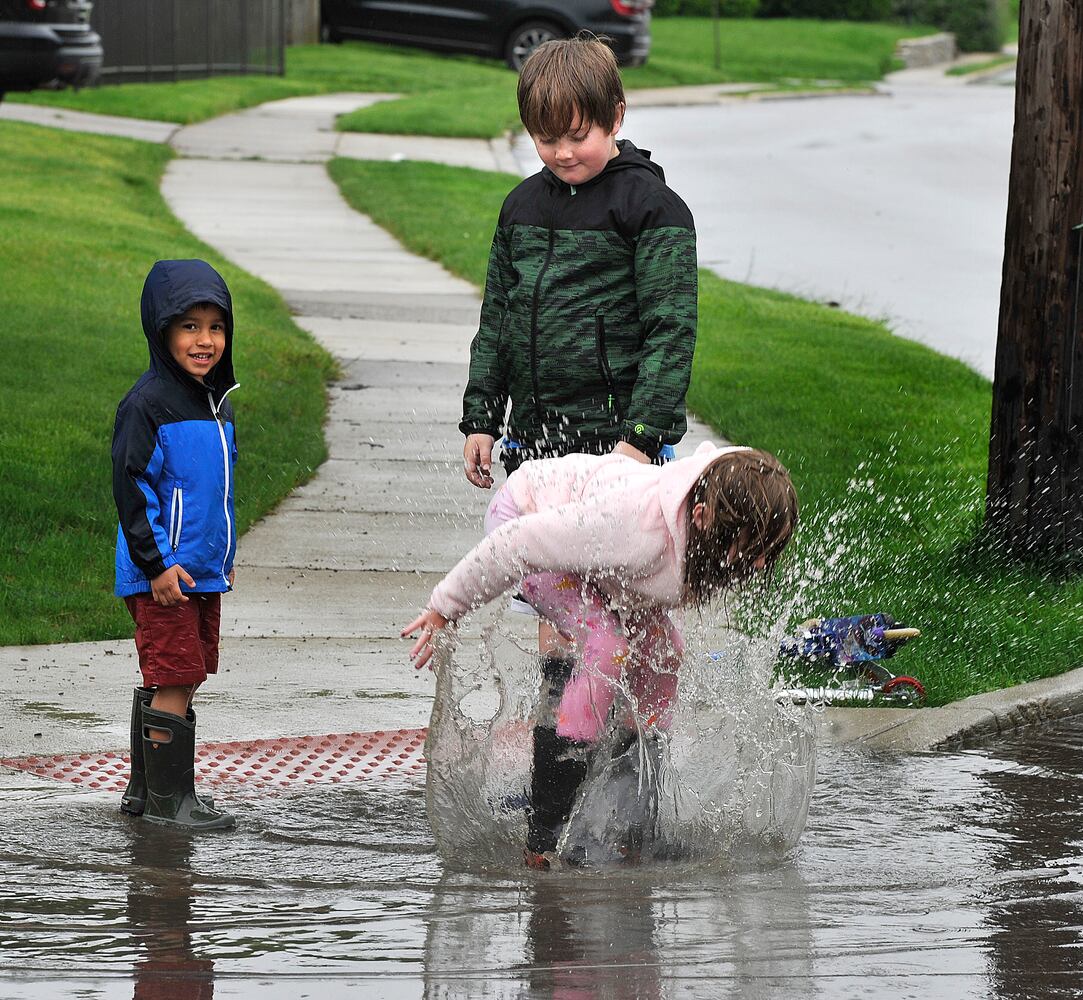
(197, 339)
(580, 154)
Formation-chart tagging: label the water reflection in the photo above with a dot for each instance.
(566, 933)
(1033, 817)
(644, 937)
(161, 894)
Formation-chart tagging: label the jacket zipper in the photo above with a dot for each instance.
(225, 466)
(534, 327)
(176, 518)
(603, 364)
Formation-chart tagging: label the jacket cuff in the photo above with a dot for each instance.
(469, 428)
(448, 608)
(159, 566)
(642, 436)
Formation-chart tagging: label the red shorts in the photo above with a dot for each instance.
(177, 646)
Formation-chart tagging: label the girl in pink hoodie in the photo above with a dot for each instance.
(603, 547)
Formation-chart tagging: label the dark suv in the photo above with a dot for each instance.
(504, 29)
(47, 43)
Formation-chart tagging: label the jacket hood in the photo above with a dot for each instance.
(676, 481)
(629, 157)
(172, 286)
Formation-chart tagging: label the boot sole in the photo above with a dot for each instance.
(218, 824)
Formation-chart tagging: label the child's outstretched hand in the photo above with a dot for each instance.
(166, 589)
(429, 622)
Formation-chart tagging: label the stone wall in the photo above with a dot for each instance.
(928, 51)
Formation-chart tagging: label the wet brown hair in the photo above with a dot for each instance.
(749, 504)
(567, 77)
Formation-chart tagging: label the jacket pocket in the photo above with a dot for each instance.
(613, 400)
(176, 517)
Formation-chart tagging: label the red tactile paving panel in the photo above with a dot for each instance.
(287, 760)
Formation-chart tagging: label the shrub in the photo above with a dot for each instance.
(834, 10)
(978, 25)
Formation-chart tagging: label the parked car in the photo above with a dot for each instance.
(47, 43)
(503, 29)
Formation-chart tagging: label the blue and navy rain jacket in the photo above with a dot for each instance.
(174, 447)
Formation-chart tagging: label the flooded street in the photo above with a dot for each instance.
(929, 875)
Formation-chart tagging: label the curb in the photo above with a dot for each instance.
(966, 722)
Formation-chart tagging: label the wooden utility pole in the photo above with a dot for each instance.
(1034, 495)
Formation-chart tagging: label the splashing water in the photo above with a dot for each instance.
(728, 782)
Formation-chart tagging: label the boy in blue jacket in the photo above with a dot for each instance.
(173, 455)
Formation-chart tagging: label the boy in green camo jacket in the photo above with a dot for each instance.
(588, 325)
(588, 322)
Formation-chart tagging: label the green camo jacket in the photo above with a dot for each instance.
(588, 322)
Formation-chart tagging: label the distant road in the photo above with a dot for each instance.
(892, 206)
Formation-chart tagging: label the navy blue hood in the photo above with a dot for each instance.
(172, 286)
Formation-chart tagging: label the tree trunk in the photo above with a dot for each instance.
(1034, 496)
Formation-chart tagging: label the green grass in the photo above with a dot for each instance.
(465, 96)
(980, 67)
(84, 221)
(885, 439)
(783, 53)
(769, 51)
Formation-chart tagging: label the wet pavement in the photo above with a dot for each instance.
(927, 875)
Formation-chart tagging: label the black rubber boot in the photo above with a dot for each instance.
(554, 780)
(207, 800)
(135, 795)
(170, 771)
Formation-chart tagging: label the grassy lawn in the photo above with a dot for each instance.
(76, 253)
(885, 439)
(980, 67)
(464, 96)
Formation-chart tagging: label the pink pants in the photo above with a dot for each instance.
(641, 650)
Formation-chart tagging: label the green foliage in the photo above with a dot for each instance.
(978, 25)
(829, 10)
(84, 221)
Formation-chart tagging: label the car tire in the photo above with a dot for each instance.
(330, 35)
(526, 37)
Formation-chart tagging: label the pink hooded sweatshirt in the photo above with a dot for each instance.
(614, 521)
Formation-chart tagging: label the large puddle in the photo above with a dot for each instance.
(929, 875)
